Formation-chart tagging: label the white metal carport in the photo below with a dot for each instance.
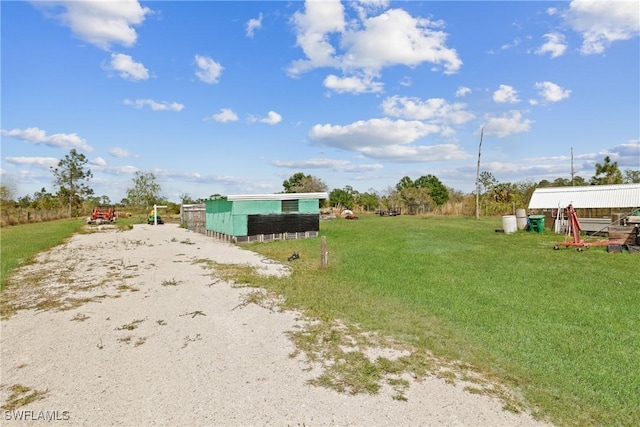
(584, 197)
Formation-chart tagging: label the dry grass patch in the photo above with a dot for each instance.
(140, 341)
(169, 282)
(188, 340)
(125, 287)
(58, 284)
(354, 361)
(240, 274)
(130, 326)
(22, 395)
(80, 317)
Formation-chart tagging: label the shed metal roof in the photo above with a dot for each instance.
(592, 196)
(278, 196)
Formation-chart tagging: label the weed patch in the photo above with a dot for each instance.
(130, 326)
(187, 340)
(22, 395)
(80, 317)
(194, 314)
(169, 282)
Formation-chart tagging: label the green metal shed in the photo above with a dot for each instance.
(263, 217)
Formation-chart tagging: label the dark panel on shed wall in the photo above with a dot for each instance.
(282, 223)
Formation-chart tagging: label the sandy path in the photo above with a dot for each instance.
(165, 345)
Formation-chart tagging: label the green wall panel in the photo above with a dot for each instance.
(309, 206)
(240, 225)
(249, 207)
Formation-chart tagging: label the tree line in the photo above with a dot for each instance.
(424, 194)
(71, 179)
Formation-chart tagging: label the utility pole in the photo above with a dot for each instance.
(572, 172)
(478, 176)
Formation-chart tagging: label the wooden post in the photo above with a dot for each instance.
(323, 251)
(478, 175)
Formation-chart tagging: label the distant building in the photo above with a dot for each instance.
(621, 196)
(612, 209)
(263, 217)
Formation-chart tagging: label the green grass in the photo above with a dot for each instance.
(20, 243)
(561, 328)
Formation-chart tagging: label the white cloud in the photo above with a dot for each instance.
(531, 167)
(38, 136)
(374, 132)
(631, 148)
(507, 124)
(603, 22)
(127, 67)
(397, 38)
(154, 105)
(514, 43)
(320, 18)
(120, 170)
(462, 91)
(98, 161)
(551, 92)
(555, 45)
(365, 8)
(627, 154)
(406, 81)
(44, 162)
(120, 153)
(253, 25)
(208, 70)
(436, 110)
(506, 94)
(225, 115)
(352, 84)
(324, 163)
(386, 139)
(368, 43)
(272, 118)
(415, 153)
(101, 23)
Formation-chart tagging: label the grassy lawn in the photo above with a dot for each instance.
(20, 243)
(560, 327)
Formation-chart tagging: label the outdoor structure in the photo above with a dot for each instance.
(263, 217)
(620, 196)
(192, 217)
(615, 206)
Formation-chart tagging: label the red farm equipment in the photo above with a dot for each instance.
(102, 215)
(573, 232)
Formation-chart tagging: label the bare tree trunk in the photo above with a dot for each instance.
(478, 176)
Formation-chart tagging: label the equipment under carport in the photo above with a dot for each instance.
(615, 248)
(573, 232)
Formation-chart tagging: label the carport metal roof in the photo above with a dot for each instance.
(278, 196)
(592, 196)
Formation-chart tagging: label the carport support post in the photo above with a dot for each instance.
(323, 251)
(155, 213)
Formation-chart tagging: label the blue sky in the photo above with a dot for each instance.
(235, 97)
